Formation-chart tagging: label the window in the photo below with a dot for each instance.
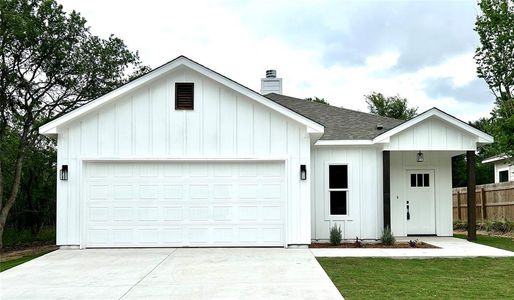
(184, 95)
(420, 180)
(338, 189)
(504, 176)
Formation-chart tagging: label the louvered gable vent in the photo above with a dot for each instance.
(184, 95)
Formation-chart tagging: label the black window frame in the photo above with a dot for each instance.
(179, 87)
(501, 175)
(335, 189)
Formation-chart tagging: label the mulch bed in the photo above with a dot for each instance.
(372, 245)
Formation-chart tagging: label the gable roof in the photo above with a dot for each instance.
(435, 112)
(50, 128)
(340, 123)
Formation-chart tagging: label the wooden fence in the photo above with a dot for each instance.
(493, 201)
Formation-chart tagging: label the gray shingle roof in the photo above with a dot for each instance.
(340, 123)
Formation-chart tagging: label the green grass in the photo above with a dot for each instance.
(18, 261)
(505, 243)
(441, 278)
(14, 237)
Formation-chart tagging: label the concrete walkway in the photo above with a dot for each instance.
(170, 274)
(449, 247)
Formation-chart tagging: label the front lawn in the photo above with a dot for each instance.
(18, 261)
(506, 243)
(441, 278)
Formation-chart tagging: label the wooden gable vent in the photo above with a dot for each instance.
(184, 95)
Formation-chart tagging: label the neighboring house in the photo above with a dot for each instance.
(503, 168)
(184, 156)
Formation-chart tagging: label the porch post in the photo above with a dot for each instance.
(472, 230)
(386, 186)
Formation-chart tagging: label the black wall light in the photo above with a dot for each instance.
(419, 157)
(64, 172)
(303, 172)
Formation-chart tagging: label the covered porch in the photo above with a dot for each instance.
(417, 173)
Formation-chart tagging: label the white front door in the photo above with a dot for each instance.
(420, 202)
(177, 204)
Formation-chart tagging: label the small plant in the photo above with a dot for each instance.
(388, 237)
(335, 235)
(359, 243)
(413, 244)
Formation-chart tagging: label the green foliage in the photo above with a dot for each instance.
(501, 226)
(24, 237)
(484, 172)
(495, 64)
(317, 100)
(394, 107)
(335, 235)
(50, 64)
(387, 236)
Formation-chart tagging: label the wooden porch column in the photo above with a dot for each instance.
(386, 186)
(472, 218)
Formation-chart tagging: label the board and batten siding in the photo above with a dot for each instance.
(432, 134)
(143, 124)
(364, 219)
(440, 162)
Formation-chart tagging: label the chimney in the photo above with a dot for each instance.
(271, 84)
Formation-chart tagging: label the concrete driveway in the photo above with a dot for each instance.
(209, 273)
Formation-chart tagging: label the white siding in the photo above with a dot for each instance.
(503, 166)
(440, 162)
(145, 125)
(432, 134)
(364, 218)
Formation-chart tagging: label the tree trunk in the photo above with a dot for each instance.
(12, 197)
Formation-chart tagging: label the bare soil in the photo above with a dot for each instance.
(371, 245)
(18, 252)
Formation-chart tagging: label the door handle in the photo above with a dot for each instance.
(408, 212)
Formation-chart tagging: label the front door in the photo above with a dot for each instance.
(420, 202)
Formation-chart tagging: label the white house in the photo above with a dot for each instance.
(503, 168)
(184, 156)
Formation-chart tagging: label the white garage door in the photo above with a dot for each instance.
(159, 204)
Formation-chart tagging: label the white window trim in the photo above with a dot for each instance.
(328, 215)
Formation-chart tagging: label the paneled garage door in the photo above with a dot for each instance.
(161, 204)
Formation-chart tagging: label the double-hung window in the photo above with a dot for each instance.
(338, 189)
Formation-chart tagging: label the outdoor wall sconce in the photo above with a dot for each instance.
(303, 172)
(64, 172)
(419, 157)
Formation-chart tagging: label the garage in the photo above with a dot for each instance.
(184, 204)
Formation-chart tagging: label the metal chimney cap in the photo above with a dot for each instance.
(271, 73)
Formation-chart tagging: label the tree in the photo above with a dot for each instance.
(495, 64)
(50, 64)
(392, 107)
(317, 100)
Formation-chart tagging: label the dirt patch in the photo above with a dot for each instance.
(18, 252)
(487, 233)
(372, 245)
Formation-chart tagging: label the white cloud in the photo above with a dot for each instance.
(217, 35)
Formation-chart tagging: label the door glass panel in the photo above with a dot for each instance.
(412, 180)
(420, 179)
(426, 180)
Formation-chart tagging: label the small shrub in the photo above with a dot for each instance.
(388, 237)
(335, 235)
(501, 226)
(359, 243)
(460, 225)
(414, 243)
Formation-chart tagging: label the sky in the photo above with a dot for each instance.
(337, 50)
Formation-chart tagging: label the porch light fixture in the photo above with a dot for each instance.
(303, 172)
(64, 172)
(419, 157)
